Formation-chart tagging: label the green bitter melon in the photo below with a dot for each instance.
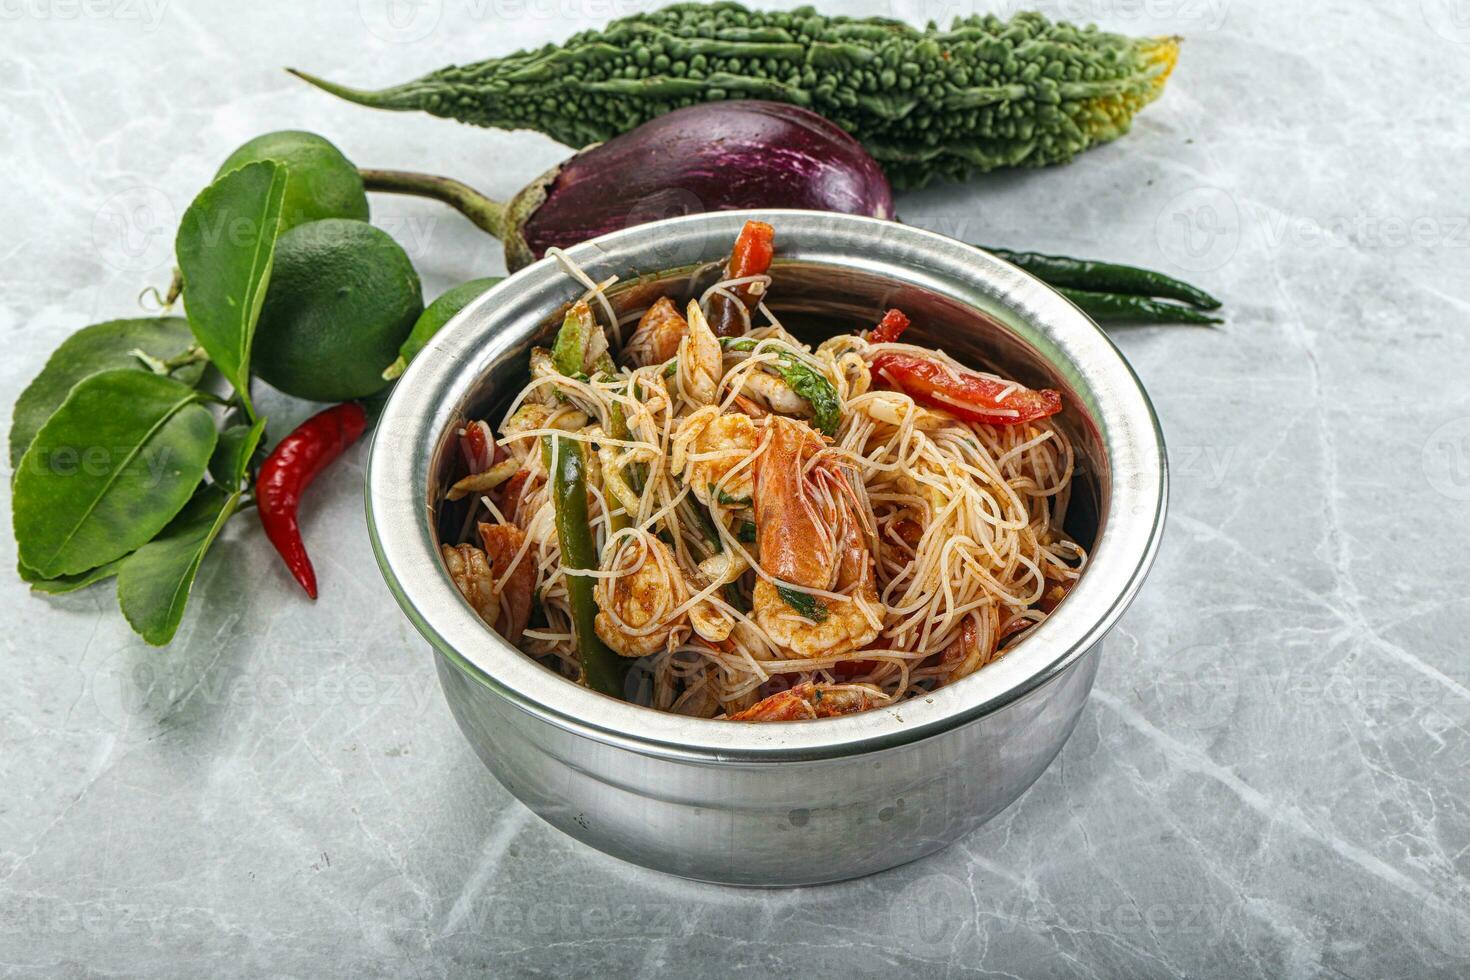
(986, 93)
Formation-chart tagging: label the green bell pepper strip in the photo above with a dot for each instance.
(602, 669)
(569, 351)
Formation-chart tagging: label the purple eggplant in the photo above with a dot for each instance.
(716, 156)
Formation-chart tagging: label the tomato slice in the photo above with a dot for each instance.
(964, 394)
(893, 324)
(510, 494)
(753, 250)
(751, 256)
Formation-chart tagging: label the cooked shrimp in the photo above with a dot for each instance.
(658, 334)
(972, 649)
(810, 537)
(508, 608)
(701, 364)
(470, 571)
(708, 446)
(503, 543)
(708, 619)
(894, 408)
(805, 701)
(775, 394)
(532, 416)
(711, 622)
(636, 601)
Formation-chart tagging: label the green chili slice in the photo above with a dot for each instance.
(602, 669)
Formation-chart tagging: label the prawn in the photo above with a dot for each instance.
(635, 599)
(810, 537)
(805, 701)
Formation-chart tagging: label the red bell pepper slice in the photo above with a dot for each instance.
(964, 394)
(893, 324)
(751, 256)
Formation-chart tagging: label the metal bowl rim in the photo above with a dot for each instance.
(418, 409)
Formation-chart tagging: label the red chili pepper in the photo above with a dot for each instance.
(751, 256)
(963, 394)
(289, 470)
(893, 324)
(476, 447)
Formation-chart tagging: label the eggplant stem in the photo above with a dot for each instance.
(483, 212)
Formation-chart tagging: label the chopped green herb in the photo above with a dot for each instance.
(804, 380)
(804, 603)
(727, 499)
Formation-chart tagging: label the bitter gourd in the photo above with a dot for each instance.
(986, 93)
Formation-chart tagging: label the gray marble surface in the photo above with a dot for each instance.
(1270, 778)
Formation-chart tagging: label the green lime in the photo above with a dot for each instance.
(342, 298)
(440, 312)
(320, 181)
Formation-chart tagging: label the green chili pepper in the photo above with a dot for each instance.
(602, 669)
(1106, 277)
(632, 478)
(1113, 308)
(569, 352)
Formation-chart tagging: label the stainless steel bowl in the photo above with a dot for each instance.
(801, 802)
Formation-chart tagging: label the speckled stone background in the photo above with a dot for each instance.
(1270, 779)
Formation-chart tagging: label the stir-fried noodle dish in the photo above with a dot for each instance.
(692, 509)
